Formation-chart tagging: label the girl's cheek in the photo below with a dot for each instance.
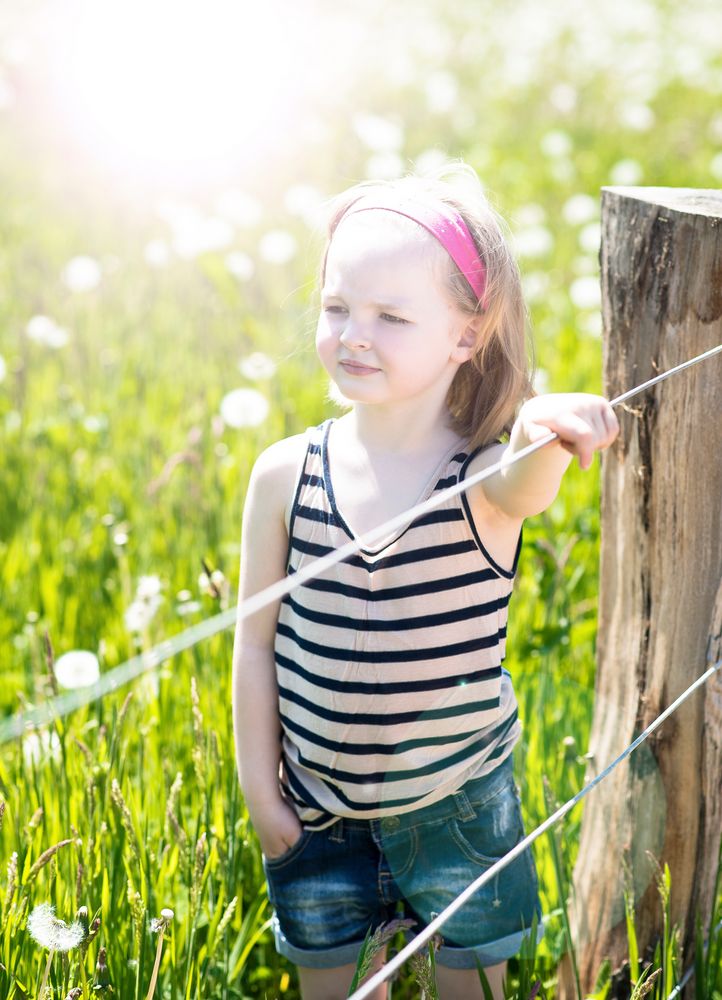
(325, 343)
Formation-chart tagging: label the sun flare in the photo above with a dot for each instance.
(173, 86)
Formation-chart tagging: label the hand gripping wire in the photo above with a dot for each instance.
(62, 705)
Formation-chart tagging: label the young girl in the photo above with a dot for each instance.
(374, 722)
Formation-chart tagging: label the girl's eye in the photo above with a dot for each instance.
(334, 309)
(392, 319)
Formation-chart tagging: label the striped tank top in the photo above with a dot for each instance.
(391, 689)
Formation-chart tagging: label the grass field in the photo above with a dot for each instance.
(127, 316)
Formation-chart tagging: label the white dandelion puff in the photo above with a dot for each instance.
(257, 366)
(585, 293)
(534, 241)
(244, 408)
(384, 166)
(377, 133)
(626, 173)
(39, 746)
(81, 274)
(77, 668)
(277, 246)
(157, 253)
(240, 265)
(580, 208)
(50, 932)
(148, 587)
(556, 144)
(44, 330)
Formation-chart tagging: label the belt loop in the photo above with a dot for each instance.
(337, 832)
(463, 806)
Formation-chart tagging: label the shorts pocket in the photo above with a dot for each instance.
(493, 831)
(291, 853)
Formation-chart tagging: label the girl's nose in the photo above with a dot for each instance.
(354, 336)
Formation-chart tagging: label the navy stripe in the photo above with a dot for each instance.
(391, 655)
(397, 624)
(363, 749)
(387, 804)
(320, 516)
(388, 687)
(418, 589)
(383, 777)
(310, 479)
(388, 719)
(400, 559)
(444, 484)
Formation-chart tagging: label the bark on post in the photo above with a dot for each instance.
(660, 606)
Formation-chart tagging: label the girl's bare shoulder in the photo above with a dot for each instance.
(275, 472)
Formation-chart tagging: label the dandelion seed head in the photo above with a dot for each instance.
(77, 668)
(82, 274)
(244, 408)
(52, 933)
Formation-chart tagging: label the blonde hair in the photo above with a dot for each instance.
(487, 390)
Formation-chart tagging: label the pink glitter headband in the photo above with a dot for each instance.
(443, 222)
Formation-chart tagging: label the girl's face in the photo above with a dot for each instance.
(388, 329)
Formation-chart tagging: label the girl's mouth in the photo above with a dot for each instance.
(356, 368)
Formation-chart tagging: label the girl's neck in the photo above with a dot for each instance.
(404, 429)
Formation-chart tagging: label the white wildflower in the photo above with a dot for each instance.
(183, 595)
(157, 253)
(81, 274)
(188, 608)
(442, 90)
(244, 408)
(44, 330)
(240, 265)
(196, 234)
(384, 166)
(38, 746)
(585, 293)
(626, 173)
(139, 614)
(534, 241)
(148, 587)
(590, 237)
(556, 144)
(51, 933)
(429, 161)
(277, 246)
(580, 208)
(240, 208)
(257, 366)
(563, 97)
(638, 117)
(530, 214)
(77, 668)
(305, 201)
(377, 133)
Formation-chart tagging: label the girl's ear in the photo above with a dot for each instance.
(468, 340)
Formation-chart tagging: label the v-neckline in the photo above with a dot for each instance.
(429, 488)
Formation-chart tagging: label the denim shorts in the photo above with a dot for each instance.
(333, 885)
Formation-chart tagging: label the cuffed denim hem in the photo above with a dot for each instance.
(315, 958)
(487, 954)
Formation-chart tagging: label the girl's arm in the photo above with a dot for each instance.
(584, 423)
(256, 723)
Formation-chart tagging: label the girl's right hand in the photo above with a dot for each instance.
(277, 825)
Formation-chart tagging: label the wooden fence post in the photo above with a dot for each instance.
(660, 607)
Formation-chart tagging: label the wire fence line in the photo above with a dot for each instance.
(63, 704)
(438, 922)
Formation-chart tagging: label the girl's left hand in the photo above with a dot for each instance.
(584, 422)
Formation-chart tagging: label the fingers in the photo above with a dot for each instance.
(583, 433)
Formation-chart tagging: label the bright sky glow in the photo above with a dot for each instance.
(172, 85)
